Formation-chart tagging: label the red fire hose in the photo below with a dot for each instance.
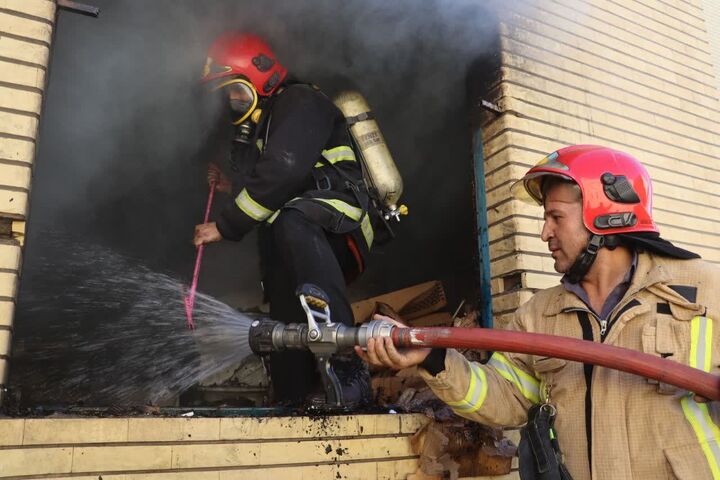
(623, 359)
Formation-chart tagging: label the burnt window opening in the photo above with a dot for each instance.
(118, 180)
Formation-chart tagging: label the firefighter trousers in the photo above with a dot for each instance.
(294, 251)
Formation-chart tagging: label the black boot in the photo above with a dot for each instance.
(354, 379)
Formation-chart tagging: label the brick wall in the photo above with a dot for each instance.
(353, 447)
(711, 9)
(637, 75)
(26, 28)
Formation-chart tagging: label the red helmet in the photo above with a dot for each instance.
(233, 54)
(616, 188)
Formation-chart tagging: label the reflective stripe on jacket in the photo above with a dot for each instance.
(306, 134)
(640, 429)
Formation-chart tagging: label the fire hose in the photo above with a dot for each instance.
(325, 338)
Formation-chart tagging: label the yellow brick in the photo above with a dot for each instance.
(590, 105)
(8, 284)
(516, 225)
(540, 281)
(510, 301)
(708, 224)
(592, 117)
(685, 122)
(258, 428)
(22, 75)
(500, 194)
(517, 243)
(218, 455)
(384, 424)
(500, 212)
(38, 8)
(586, 90)
(87, 477)
(327, 450)
(15, 175)
(683, 16)
(7, 310)
(24, 27)
(173, 429)
(575, 49)
(331, 426)
(121, 458)
(10, 256)
(495, 160)
(663, 202)
(399, 469)
(11, 432)
(195, 475)
(638, 31)
(580, 30)
(574, 73)
(519, 261)
(16, 124)
(18, 150)
(22, 100)
(510, 173)
(386, 470)
(4, 371)
(647, 18)
(412, 423)
(13, 203)
(5, 346)
(24, 51)
(683, 27)
(306, 427)
(35, 461)
(75, 430)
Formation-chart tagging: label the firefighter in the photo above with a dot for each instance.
(622, 285)
(294, 175)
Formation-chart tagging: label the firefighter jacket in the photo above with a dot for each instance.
(638, 429)
(303, 159)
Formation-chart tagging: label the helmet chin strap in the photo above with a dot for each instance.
(585, 260)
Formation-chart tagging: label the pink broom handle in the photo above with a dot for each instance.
(190, 299)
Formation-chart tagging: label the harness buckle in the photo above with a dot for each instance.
(323, 182)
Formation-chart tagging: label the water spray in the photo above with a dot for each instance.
(324, 339)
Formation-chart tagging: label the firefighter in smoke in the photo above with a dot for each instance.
(623, 285)
(294, 174)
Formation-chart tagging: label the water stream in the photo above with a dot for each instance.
(97, 328)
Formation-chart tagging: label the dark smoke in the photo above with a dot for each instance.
(118, 153)
(121, 129)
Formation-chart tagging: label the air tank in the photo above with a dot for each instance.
(379, 169)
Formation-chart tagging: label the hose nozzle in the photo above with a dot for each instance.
(267, 336)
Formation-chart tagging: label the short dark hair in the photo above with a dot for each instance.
(549, 182)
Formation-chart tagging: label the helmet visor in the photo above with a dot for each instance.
(529, 188)
(241, 96)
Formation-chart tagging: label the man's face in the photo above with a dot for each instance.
(563, 230)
